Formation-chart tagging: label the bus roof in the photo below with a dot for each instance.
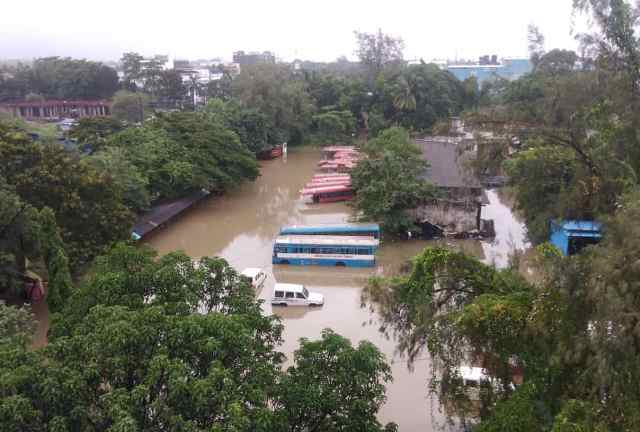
(330, 228)
(321, 189)
(330, 175)
(328, 240)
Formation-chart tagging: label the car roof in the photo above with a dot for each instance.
(251, 272)
(472, 373)
(288, 287)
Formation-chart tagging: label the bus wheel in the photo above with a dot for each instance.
(284, 304)
(340, 264)
(284, 262)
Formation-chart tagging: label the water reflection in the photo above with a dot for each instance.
(511, 233)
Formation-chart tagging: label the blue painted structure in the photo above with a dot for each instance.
(569, 236)
(347, 251)
(510, 69)
(372, 230)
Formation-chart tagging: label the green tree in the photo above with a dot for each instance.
(91, 132)
(150, 343)
(14, 83)
(60, 286)
(404, 99)
(132, 68)
(177, 153)
(19, 226)
(335, 126)
(253, 127)
(220, 89)
(87, 203)
(16, 326)
(128, 178)
(389, 182)
(459, 309)
(66, 78)
(346, 398)
(280, 95)
(130, 107)
(536, 43)
(170, 91)
(378, 50)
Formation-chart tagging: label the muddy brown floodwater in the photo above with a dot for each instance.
(241, 227)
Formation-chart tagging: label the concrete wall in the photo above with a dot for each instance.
(453, 218)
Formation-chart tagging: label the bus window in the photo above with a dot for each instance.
(279, 294)
(290, 294)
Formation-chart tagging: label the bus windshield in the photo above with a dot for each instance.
(305, 292)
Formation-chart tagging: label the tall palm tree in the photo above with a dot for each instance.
(404, 100)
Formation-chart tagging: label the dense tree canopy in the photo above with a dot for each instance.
(92, 132)
(280, 95)
(180, 152)
(87, 203)
(130, 107)
(60, 78)
(378, 50)
(561, 350)
(19, 240)
(171, 344)
(255, 129)
(390, 181)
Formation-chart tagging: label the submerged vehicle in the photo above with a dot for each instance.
(344, 251)
(255, 276)
(285, 294)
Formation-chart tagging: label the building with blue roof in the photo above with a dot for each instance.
(510, 69)
(570, 236)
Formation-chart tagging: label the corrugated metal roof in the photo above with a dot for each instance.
(580, 225)
(447, 164)
(164, 212)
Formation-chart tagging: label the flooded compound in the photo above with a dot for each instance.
(241, 227)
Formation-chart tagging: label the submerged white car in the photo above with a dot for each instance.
(473, 378)
(255, 276)
(295, 295)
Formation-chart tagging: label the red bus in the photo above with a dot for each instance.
(327, 194)
(315, 184)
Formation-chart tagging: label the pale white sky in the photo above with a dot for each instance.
(318, 30)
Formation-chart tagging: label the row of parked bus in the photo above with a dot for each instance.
(348, 245)
(325, 188)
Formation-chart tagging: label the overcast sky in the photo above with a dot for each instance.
(319, 30)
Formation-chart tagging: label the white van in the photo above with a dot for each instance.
(255, 276)
(473, 378)
(295, 295)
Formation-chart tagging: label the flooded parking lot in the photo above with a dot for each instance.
(241, 227)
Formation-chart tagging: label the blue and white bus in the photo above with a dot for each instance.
(348, 251)
(355, 229)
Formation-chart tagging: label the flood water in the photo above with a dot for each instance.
(241, 227)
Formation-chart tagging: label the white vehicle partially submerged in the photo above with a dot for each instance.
(473, 378)
(255, 276)
(295, 295)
